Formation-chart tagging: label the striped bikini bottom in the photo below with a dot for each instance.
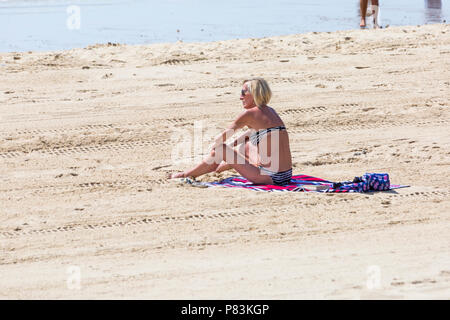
(278, 178)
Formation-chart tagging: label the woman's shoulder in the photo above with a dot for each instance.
(257, 111)
(257, 115)
(250, 114)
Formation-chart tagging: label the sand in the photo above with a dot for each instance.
(86, 142)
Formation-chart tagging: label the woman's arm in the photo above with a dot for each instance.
(242, 138)
(240, 122)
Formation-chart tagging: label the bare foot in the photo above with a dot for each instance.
(362, 24)
(375, 24)
(176, 175)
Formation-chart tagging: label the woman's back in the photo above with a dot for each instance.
(270, 139)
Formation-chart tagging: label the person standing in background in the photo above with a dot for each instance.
(433, 11)
(374, 13)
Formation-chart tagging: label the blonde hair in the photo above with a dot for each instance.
(260, 90)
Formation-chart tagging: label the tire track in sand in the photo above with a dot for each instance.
(158, 142)
(204, 217)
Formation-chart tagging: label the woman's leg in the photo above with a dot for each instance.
(223, 166)
(363, 8)
(208, 165)
(234, 159)
(243, 149)
(375, 13)
(239, 163)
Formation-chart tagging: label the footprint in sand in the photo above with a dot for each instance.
(107, 75)
(165, 85)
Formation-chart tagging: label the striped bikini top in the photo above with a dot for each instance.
(256, 137)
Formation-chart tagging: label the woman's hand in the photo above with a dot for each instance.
(242, 138)
(222, 138)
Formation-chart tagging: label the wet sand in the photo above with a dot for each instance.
(86, 142)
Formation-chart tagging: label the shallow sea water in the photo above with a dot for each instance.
(38, 25)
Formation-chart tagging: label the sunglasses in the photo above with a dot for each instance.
(243, 92)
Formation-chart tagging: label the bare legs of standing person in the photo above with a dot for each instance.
(375, 13)
(363, 8)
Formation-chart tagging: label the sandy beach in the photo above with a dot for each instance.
(86, 141)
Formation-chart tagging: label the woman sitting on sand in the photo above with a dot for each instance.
(263, 154)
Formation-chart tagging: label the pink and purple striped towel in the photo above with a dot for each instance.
(299, 183)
